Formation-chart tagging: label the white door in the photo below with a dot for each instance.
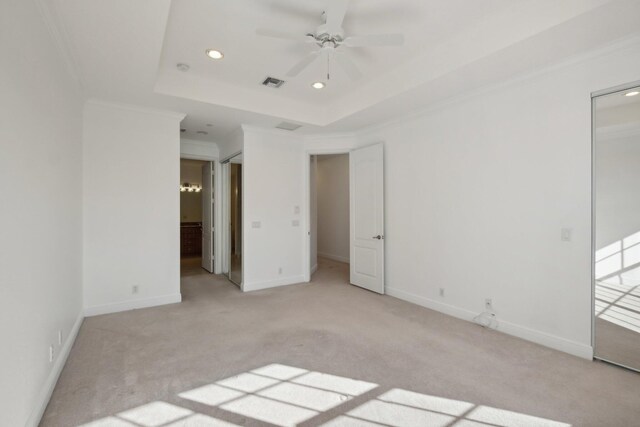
(207, 216)
(366, 170)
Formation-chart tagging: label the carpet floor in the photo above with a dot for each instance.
(323, 353)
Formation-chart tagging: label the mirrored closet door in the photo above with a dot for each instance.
(616, 168)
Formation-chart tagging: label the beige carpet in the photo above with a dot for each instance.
(324, 353)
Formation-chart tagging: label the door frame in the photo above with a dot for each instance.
(306, 265)
(594, 95)
(217, 243)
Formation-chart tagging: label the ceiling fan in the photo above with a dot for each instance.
(330, 38)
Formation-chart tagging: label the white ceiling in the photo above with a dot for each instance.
(127, 51)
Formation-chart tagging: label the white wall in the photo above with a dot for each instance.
(198, 150)
(273, 187)
(617, 185)
(41, 217)
(131, 170)
(477, 192)
(232, 144)
(333, 206)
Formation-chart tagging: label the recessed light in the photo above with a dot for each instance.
(201, 132)
(183, 67)
(214, 54)
(634, 93)
(318, 85)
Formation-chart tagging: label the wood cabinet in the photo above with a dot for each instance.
(190, 239)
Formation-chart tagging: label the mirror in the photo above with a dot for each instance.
(616, 169)
(233, 170)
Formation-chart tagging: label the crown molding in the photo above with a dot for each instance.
(608, 49)
(146, 110)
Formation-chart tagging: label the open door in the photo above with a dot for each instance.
(207, 216)
(367, 217)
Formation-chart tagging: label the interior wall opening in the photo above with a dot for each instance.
(196, 216)
(330, 217)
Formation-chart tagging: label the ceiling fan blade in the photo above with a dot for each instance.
(304, 63)
(348, 66)
(335, 12)
(375, 40)
(283, 35)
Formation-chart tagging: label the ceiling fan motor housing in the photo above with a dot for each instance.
(328, 40)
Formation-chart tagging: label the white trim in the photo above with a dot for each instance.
(257, 286)
(45, 393)
(130, 107)
(314, 268)
(97, 310)
(552, 341)
(334, 257)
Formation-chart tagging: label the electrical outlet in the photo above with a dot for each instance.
(488, 304)
(59, 337)
(134, 289)
(50, 353)
(442, 292)
(280, 270)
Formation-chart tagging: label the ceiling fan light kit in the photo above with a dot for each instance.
(330, 38)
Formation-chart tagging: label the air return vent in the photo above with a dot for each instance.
(288, 126)
(273, 82)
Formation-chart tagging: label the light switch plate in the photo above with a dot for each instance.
(295, 223)
(256, 224)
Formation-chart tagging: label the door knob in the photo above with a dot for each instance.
(378, 237)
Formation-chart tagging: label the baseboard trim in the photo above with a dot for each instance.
(542, 338)
(257, 286)
(45, 394)
(117, 307)
(314, 268)
(334, 257)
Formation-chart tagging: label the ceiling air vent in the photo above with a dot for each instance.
(273, 82)
(288, 126)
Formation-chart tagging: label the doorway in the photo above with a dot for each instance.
(356, 176)
(196, 215)
(329, 211)
(233, 215)
(616, 226)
